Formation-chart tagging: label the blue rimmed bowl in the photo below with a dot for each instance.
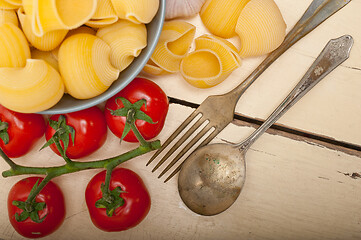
(154, 28)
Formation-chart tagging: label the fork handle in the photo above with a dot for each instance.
(317, 12)
(335, 53)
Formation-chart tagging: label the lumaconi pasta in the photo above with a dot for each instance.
(33, 88)
(5, 4)
(174, 43)
(104, 15)
(50, 15)
(260, 27)
(137, 11)
(8, 16)
(14, 48)
(220, 17)
(126, 40)
(84, 63)
(213, 60)
(48, 57)
(47, 41)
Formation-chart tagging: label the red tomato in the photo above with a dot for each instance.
(90, 132)
(54, 209)
(156, 109)
(136, 200)
(23, 130)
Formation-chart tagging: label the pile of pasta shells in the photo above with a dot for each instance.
(257, 24)
(52, 47)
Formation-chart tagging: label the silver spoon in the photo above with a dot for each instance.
(212, 177)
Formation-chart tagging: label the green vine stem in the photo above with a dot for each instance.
(77, 166)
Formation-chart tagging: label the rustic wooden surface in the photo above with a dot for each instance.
(297, 186)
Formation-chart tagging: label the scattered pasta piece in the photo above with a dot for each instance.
(8, 16)
(84, 63)
(33, 88)
(260, 27)
(104, 15)
(14, 48)
(220, 17)
(173, 45)
(48, 41)
(137, 11)
(126, 40)
(213, 60)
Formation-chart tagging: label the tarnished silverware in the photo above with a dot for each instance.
(218, 111)
(212, 177)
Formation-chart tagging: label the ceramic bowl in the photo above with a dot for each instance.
(69, 104)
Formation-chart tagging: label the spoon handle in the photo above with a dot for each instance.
(335, 53)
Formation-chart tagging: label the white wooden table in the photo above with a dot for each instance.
(303, 179)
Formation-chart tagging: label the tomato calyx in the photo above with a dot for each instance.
(62, 133)
(4, 135)
(110, 200)
(30, 208)
(132, 112)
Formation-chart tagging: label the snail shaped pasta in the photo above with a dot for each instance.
(104, 15)
(8, 16)
(84, 63)
(220, 17)
(137, 11)
(213, 60)
(33, 88)
(173, 45)
(260, 27)
(50, 57)
(48, 41)
(126, 40)
(10, 4)
(14, 48)
(49, 15)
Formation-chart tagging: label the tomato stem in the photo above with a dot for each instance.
(78, 166)
(63, 153)
(33, 194)
(11, 163)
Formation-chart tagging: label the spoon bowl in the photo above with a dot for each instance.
(211, 178)
(214, 178)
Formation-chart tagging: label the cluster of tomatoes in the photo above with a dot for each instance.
(20, 132)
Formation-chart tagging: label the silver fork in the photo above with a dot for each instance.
(217, 111)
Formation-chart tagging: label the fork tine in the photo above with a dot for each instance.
(179, 142)
(205, 142)
(174, 135)
(186, 148)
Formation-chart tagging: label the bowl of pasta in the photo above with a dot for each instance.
(63, 56)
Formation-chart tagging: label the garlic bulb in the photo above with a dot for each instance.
(182, 8)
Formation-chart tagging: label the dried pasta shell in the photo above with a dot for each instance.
(33, 88)
(220, 17)
(14, 48)
(4, 4)
(137, 11)
(50, 15)
(48, 41)
(104, 15)
(82, 29)
(48, 57)
(8, 16)
(260, 27)
(173, 45)
(126, 40)
(213, 60)
(84, 63)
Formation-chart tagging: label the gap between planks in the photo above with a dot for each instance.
(288, 132)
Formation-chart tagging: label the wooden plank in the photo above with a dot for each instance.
(294, 190)
(331, 109)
